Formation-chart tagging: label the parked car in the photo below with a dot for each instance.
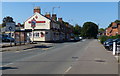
(80, 38)
(117, 40)
(7, 39)
(77, 38)
(71, 39)
(109, 44)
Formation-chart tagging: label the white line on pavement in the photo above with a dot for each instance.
(6, 64)
(84, 40)
(17, 51)
(68, 69)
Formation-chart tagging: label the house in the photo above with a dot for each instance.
(65, 30)
(45, 28)
(113, 30)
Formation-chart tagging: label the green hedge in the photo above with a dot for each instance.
(104, 38)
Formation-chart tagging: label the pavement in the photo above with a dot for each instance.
(84, 57)
(6, 46)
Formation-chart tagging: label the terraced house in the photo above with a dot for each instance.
(113, 30)
(46, 27)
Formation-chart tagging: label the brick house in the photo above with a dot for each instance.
(113, 30)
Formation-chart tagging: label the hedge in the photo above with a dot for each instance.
(104, 38)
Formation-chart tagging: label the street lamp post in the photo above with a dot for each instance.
(10, 28)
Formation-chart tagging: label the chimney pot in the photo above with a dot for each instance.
(54, 17)
(37, 9)
(48, 15)
(60, 20)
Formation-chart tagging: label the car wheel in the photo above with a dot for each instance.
(110, 48)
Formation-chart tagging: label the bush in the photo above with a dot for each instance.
(104, 38)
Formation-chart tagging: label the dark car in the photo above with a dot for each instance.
(117, 40)
(109, 45)
(107, 42)
(76, 38)
(7, 39)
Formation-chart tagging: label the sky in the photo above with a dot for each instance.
(102, 13)
(60, 0)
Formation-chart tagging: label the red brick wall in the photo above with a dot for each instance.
(113, 31)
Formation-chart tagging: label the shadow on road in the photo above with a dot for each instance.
(5, 68)
(38, 46)
(41, 46)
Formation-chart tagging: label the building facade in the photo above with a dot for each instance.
(46, 27)
(113, 30)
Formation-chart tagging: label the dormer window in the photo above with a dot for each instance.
(114, 26)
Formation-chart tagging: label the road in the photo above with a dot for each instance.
(57, 59)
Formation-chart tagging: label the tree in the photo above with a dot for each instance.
(116, 21)
(77, 30)
(7, 19)
(110, 24)
(89, 30)
(101, 30)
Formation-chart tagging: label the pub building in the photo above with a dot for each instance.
(44, 27)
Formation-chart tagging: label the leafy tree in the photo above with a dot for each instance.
(110, 24)
(116, 21)
(77, 30)
(103, 39)
(7, 19)
(22, 25)
(89, 30)
(101, 30)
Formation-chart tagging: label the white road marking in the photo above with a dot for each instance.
(84, 40)
(68, 69)
(17, 51)
(6, 64)
(66, 45)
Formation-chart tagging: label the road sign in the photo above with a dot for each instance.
(10, 26)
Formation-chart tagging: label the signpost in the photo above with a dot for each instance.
(33, 25)
(114, 48)
(10, 27)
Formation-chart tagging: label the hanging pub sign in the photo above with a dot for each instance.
(33, 23)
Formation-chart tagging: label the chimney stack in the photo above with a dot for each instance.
(37, 9)
(113, 24)
(48, 15)
(60, 20)
(54, 17)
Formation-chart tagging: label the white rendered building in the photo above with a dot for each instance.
(45, 28)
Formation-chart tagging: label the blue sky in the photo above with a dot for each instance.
(102, 13)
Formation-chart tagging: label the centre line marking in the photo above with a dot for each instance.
(68, 69)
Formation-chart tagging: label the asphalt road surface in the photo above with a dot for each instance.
(58, 58)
